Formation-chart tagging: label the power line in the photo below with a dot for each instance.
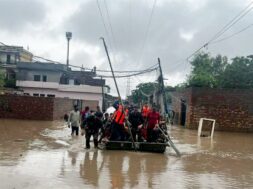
(147, 31)
(151, 68)
(228, 37)
(129, 75)
(237, 18)
(103, 21)
(231, 22)
(110, 24)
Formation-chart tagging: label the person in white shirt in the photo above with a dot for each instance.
(74, 120)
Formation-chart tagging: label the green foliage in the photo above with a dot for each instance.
(1, 79)
(238, 74)
(10, 83)
(138, 94)
(206, 70)
(217, 72)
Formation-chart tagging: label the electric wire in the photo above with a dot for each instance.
(231, 22)
(236, 19)
(104, 25)
(110, 25)
(129, 75)
(234, 34)
(147, 31)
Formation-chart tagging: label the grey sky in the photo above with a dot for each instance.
(178, 28)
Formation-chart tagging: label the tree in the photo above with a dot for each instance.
(1, 79)
(142, 91)
(206, 71)
(238, 74)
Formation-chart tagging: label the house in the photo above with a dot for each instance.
(231, 108)
(56, 80)
(9, 57)
(14, 54)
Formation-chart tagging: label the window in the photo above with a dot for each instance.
(44, 78)
(35, 94)
(42, 95)
(77, 82)
(36, 78)
(8, 59)
(26, 94)
(50, 95)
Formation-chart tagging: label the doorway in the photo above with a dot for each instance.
(183, 112)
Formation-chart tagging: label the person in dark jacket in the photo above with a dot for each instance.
(105, 130)
(136, 119)
(93, 124)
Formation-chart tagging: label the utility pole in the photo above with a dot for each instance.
(128, 87)
(110, 63)
(162, 87)
(103, 98)
(120, 99)
(68, 36)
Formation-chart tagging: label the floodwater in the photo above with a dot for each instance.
(36, 154)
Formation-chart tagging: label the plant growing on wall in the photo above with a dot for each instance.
(1, 79)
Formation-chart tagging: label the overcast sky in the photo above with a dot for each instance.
(177, 28)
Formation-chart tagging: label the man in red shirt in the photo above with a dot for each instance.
(153, 121)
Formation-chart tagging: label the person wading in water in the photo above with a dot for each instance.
(93, 124)
(74, 120)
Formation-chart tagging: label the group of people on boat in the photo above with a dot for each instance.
(127, 123)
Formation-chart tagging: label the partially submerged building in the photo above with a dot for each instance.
(231, 108)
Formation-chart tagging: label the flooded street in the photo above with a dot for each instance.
(43, 154)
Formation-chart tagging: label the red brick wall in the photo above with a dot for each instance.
(34, 108)
(232, 109)
(26, 107)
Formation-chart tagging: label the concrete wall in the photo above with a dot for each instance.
(232, 109)
(3, 58)
(15, 55)
(90, 97)
(61, 107)
(176, 105)
(28, 75)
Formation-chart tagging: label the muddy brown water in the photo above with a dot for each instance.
(35, 154)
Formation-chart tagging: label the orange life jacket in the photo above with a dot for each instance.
(119, 115)
(145, 111)
(126, 112)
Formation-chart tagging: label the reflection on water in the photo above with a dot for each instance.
(37, 154)
(89, 169)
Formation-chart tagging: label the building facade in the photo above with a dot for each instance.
(55, 80)
(9, 57)
(14, 54)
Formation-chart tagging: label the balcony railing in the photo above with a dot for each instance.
(59, 87)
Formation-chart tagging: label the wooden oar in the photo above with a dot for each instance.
(170, 142)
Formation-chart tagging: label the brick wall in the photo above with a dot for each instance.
(26, 107)
(38, 108)
(231, 108)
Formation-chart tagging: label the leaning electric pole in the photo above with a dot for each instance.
(161, 84)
